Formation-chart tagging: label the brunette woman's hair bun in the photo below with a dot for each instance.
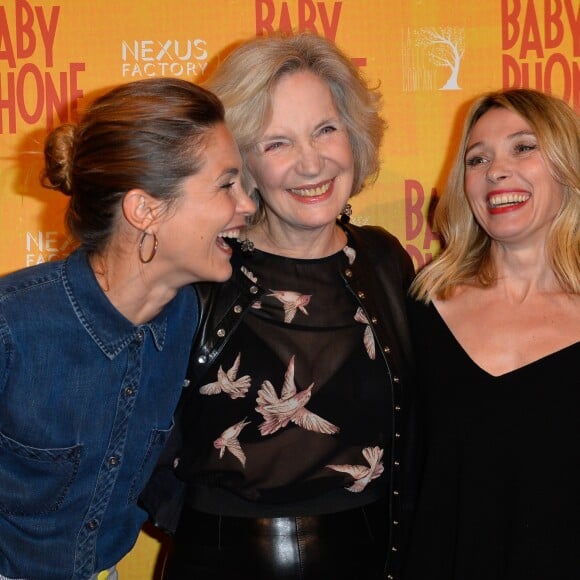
(58, 155)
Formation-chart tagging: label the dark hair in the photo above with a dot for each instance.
(141, 135)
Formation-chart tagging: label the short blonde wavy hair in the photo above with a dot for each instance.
(244, 82)
(466, 246)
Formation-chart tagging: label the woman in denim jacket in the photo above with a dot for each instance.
(91, 348)
(296, 421)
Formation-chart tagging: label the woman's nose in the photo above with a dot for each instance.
(244, 203)
(498, 170)
(310, 160)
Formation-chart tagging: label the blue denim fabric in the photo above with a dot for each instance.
(86, 403)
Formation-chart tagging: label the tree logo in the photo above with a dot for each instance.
(427, 49)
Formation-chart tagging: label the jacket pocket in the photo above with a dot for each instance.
(35, 481)
(157, 440)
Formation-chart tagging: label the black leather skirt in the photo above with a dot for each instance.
(348, 545)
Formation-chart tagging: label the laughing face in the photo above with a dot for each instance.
(213, 206)
(508, 183)
(303, 163)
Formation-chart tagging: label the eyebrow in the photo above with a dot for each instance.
(230, 172)
(329, 120)
(522, 133)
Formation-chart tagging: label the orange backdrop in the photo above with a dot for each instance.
(430, 57)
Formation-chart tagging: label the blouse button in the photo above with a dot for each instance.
(129, 391)
(237, 308)
(394, 548)
(397, 408)
(397, 435)
(395, 522)
(396, 380)
(396, 463)
(395, 492)
(221, 332)
(361, 294)
(374, 319)
(348, 273)
(93, 524)
(387, 349)
(113, 461)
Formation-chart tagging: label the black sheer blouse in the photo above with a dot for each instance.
(293, 414)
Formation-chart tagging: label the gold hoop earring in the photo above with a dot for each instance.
(153, 250)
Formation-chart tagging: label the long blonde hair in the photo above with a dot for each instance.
(466, 246)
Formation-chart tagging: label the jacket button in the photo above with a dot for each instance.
(396, 380)
(387, 349)
(361, 294)
(221, 332)
(237, 308)
(93, 524)
(348, 273)
(253, 289)
(202, 359)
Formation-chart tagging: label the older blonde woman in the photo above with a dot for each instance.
(296, 427)
(499, 348)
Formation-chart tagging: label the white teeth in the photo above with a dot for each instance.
(508, 199)
(233, 234)
(312, 192)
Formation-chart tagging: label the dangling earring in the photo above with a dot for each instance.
(346, 213)
(247, 245)
(153, 250)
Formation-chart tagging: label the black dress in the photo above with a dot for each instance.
(500, 498)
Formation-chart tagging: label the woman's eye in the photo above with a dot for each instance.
(474, 161)
(327, 129)
(525, 147)
(229, 185)
(273, 146)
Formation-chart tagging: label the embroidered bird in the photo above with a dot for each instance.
(362, 474)
(292, 302)
(228, 440)
(350, 254)
(227, 383)
(289, 407)
(368, 338)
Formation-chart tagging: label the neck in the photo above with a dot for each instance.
(524, 271)
(294, 242)
(132, 287)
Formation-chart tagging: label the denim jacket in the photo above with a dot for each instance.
(379, 280)
(86, 404)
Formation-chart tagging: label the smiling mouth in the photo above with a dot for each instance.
(227, 235)
(313, 191)
(507, 199)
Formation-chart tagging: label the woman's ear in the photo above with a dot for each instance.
(140, 209)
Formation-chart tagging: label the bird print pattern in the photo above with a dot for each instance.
(292, 302)
(286, 407)
(228, 383)
(363, 474)
(289, 407)
(368, 338)
(228, 441)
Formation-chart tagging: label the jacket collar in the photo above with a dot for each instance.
(110, 330)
